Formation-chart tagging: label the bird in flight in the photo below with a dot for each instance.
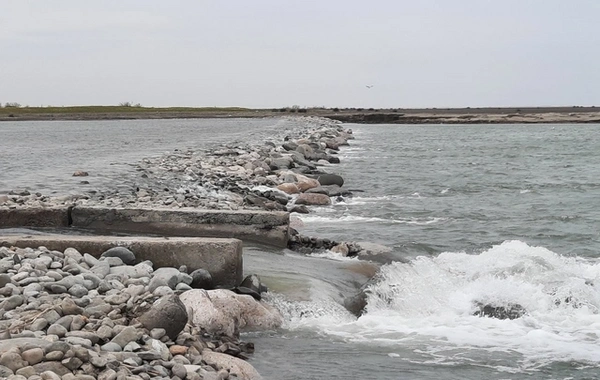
(369, 86)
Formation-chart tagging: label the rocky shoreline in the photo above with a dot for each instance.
(68, 315)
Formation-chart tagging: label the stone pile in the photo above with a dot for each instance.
(68, 315)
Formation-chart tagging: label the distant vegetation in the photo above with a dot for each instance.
(126, 107)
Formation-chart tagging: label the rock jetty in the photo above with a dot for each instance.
(69, 315)
(291, 176)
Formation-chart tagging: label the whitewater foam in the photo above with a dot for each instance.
(363, 219)
(429, 304)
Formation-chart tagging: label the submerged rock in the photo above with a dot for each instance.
(510, 311)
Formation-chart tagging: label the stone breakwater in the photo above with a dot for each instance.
(290, 176)
(68, 315)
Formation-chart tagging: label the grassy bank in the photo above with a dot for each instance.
(486, 115)
(112, 110)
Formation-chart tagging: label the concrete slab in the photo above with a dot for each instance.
(34, 217)
(221, 257)
(265, 227)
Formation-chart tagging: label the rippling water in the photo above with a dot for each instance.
(500, 215)
(43, 155)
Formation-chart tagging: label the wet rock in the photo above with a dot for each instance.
(356, 304)
(168, 313)
(304, 183)
(341, 249)
(509, 311)
(251, 286)
(225, 312)
(313, 199)
(330, 179)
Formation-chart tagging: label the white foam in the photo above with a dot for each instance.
(429, 304)
(333, 256)
(363, 219)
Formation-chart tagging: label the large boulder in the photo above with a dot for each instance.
(306, 150)
(330, 179)
(222, 311)
(313, 199)
(239, 368)
(304, 183)
(201, 279)
(168, 313)
(278, 163)
(288, 188)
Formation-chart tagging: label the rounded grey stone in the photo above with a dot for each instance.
(121, 252)
(78, 291)
(4, 279)
(56, 289)
(77, 323)
(201, 279)
(12, 360)
(27, 372)
(54, 355)
(39, 324)
(111, 347)
(179, 370)
(12, 302)
(58, 346)
(168, 313)
(5, 372)
(33, 356)
(58, 330)
(51, 316)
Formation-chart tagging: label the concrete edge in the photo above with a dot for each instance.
(221, 257)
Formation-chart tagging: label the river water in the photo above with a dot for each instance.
(499, 215)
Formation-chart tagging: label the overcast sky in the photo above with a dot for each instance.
(418, 53)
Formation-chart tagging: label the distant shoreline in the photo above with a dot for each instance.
(487, 115)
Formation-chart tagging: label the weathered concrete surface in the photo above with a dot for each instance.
(34, 217)
(221, 257)
(265, 227)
